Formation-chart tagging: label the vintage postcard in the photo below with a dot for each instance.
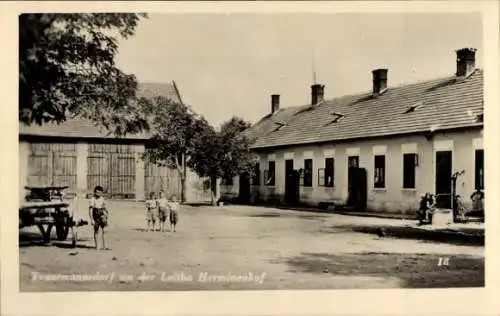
(222, 152)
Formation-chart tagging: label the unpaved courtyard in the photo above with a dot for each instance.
(244, 248)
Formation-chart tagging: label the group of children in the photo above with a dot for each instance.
(157, 209)
(156, 212)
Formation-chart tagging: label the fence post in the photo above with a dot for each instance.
(140, 178)
(81, 168)
(23, 167)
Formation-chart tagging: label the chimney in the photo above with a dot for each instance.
(275, 103)
(466, 61)
(379, 81)
(317, 93)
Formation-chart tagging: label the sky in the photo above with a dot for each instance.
(230, 64)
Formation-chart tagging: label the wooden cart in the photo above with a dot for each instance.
(45, 208)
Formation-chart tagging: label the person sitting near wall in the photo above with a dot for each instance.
(477, 198)
(426, 208)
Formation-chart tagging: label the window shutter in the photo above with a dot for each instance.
(321, 177)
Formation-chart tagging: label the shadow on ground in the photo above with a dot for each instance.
(465, 237)
(32, 239)
(303, 216)
(414, 270)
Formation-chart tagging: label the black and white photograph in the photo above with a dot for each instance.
(250, 151)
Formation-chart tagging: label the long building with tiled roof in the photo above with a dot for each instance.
(377, 150)
(81, 155)
(79, 128)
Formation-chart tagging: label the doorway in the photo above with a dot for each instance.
(292, 193)
(244, 194)
(356, 184)
(443, 179)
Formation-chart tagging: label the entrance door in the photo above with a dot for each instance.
(52, 164)
(244, 194)
(112, 166)
(356, 184)
(352, 166)
(443, 179)
(291, 183)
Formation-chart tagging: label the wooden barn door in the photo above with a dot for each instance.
(52, 164)
(112, 167)
(159, 178)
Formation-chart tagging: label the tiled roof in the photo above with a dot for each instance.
(86, 129)
(168, 90)
(271, 122)
(439, 104)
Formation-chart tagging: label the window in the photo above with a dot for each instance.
(379, 174)
(269, 174)
(479, 170)
(326, 175)
(409, 164)
(308, 171)
(256, 174)
(353, 162)
(227, 181)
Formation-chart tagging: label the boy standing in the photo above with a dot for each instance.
(151, 211)
(162, 210)
(98, 215)
(174, 212)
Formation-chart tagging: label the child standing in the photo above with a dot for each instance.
(174, 212)
(98, 215)
(162, 210)
(151, 206)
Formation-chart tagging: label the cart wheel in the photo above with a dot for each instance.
(62, 229)
(74, 237)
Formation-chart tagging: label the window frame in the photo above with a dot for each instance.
(307, 174)
(272, 171)
(323, 173)
(377, 183)
(228, 181)
(256, 175)
(414, 170)
(478, 176)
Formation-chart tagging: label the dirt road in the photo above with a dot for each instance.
(245, 248)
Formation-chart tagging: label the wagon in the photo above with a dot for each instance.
(45, 208)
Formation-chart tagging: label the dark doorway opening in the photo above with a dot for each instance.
(443, 179)
(244, 194)
(356, 184)
(292, 193)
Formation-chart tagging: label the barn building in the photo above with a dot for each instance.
(377, 150)
(81, 155)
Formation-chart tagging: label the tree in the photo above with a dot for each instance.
(223, 154)
(238, 158)
(206, 157)
(182, 139)
(67, 69)
(175, 131)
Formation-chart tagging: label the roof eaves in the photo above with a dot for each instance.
(433, 129)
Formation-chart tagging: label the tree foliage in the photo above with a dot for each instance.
(223, 154)
(176, 130)
(237, 156)
(182, 139)
(67, 68)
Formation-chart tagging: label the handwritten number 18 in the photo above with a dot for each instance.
(443, 261)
